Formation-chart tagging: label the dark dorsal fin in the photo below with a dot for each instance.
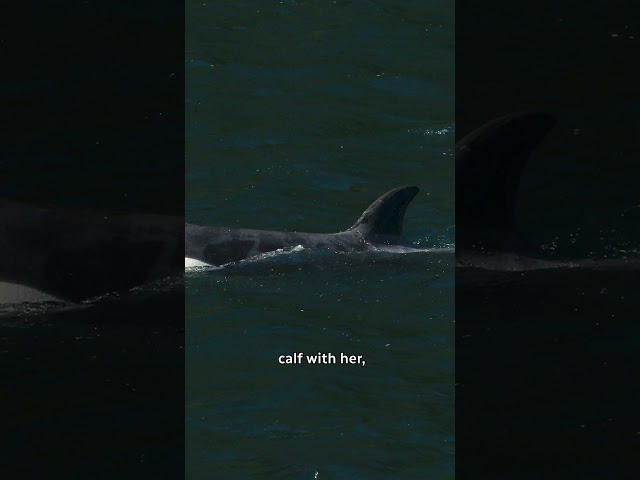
(385, 216)
(489, 162)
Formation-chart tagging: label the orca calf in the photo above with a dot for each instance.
(379, 226)
(51, 254)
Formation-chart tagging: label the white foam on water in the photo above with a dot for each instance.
(193, 263)
(404, 249)
(278, 252)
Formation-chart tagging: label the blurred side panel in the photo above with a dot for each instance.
(547, 239)
(93, 152)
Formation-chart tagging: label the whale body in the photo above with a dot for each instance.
(64, 255)
(381, 225)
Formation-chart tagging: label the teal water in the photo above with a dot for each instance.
(298, 116)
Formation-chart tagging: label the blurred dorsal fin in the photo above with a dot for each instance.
(489, 163)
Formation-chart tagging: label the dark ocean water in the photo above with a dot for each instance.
(298, 116)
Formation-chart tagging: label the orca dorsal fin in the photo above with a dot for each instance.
(385, 216)
(489, 163)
